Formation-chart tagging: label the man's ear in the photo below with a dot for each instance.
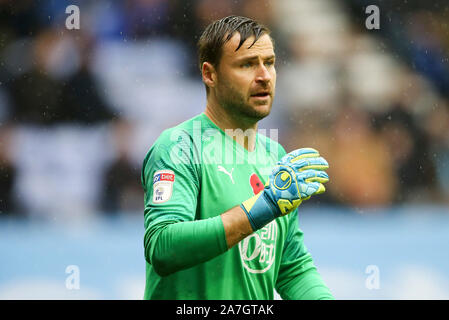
(209, 74)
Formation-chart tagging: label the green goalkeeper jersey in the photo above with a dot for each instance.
(192, 174)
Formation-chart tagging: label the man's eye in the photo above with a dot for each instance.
(269, 63)
(246, 65)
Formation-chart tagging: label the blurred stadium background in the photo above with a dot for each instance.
(80, 108)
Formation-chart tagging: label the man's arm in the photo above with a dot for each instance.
(174, 240)
(236, 225)
(181, 245)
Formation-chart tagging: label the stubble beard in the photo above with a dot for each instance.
(238, 107)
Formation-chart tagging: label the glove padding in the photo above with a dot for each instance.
(296, 177)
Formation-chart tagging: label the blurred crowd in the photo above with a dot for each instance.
(79, 109)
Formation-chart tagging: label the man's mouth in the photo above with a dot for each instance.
(262, 94)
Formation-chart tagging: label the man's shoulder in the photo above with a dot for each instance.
(188, 126)
(180, 135)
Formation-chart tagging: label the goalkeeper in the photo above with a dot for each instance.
(221, 200)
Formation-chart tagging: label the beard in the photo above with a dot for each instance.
(238, 105)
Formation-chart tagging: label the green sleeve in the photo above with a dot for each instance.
(173, 239)
(298, 278)
(185, 244)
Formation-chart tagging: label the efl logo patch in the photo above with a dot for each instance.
(163, 185)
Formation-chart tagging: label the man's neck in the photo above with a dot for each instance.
(231, 125)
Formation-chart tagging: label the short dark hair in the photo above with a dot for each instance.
(213, 38)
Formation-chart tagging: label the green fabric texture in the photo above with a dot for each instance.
(184, 243)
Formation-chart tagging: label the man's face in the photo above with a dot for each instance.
(246, 78)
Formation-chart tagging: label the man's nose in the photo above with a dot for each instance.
(263, 75)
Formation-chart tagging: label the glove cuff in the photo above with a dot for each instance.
(260, 210)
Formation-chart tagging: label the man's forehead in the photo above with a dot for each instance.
(263, 46)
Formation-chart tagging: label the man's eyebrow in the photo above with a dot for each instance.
(255, 57)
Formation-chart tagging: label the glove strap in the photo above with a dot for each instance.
(259, 210)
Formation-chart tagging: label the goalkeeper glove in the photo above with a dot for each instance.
(296, 177)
